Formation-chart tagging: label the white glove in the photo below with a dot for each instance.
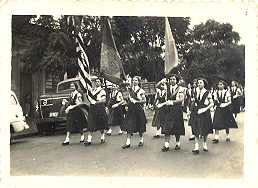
(133, 101)
(93, 102)
(235, 96)
(223, 105)
(169, 102)
(201, 110)
(114, 105)
(160, 105)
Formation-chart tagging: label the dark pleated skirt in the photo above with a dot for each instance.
(135, 119)
(159, 117)
(174, 123)
(97, 118)
(116, 115)
(223, 119)
(76, 119)
(235, 106)
(201, 123)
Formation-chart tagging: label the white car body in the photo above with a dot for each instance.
(17, 120)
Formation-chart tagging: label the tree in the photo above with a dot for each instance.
(213, 52)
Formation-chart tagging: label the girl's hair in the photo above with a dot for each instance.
(224, 83)
(236, 84)
(204, 81)
(75, 85)
(177, 78)
(138, 78)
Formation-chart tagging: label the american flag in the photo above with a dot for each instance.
(84, 68)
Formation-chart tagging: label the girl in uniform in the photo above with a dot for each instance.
(235, 94)
(76, 118)
(97, 113)
(135, 119)
(174, 123)
(160, 111)
(116, 109)
(223, 118)
(200, 117)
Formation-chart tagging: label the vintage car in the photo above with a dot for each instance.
(50, 109)
(17, 120)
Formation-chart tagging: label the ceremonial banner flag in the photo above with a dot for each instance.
(171, 55)
(110, 63)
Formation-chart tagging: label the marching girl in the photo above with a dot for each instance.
(200, 117)
(76, 119)
(135, 119)
(192, 93)
(160, 111)
(235, 94)
(223, 118)
(97, 119)
(174, 123)
(116, 109)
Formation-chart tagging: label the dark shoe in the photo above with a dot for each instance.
(126, 146)
(120, 133)
(156, 136)
(165, 149)
(205, 149)
(191, 138)
(109, 134)
(102, 141)
(215, 141)
(141, 144)
(195, 151)
(228, 139)
(87, 143)
(65, 143)
(131, 134)
(81, 141)
(177, 147)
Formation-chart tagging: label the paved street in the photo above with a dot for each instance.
(45, 156)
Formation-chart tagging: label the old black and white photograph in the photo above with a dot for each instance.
(153, 96)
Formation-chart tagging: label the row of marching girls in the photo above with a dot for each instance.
(134, 121)
(168, 116)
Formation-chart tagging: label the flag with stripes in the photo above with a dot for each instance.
(171, 55)
(84, 68)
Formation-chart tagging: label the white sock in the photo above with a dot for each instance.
(89, 138)
(120, 131)
(128, 141)
(141, 139)
(228, 136)
(166, 144)
(102, 136)
(66, 140)
(205, 145)
(196, 147)
(192, 136)
(109, 131)
(82, 137)
(158, 132)
(216, 136)
(178, 143)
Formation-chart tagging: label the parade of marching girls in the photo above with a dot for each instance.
(135, 119)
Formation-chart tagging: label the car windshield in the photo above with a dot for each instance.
(65, 86)
(13, 100)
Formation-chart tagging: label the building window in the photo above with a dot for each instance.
(51, 82)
